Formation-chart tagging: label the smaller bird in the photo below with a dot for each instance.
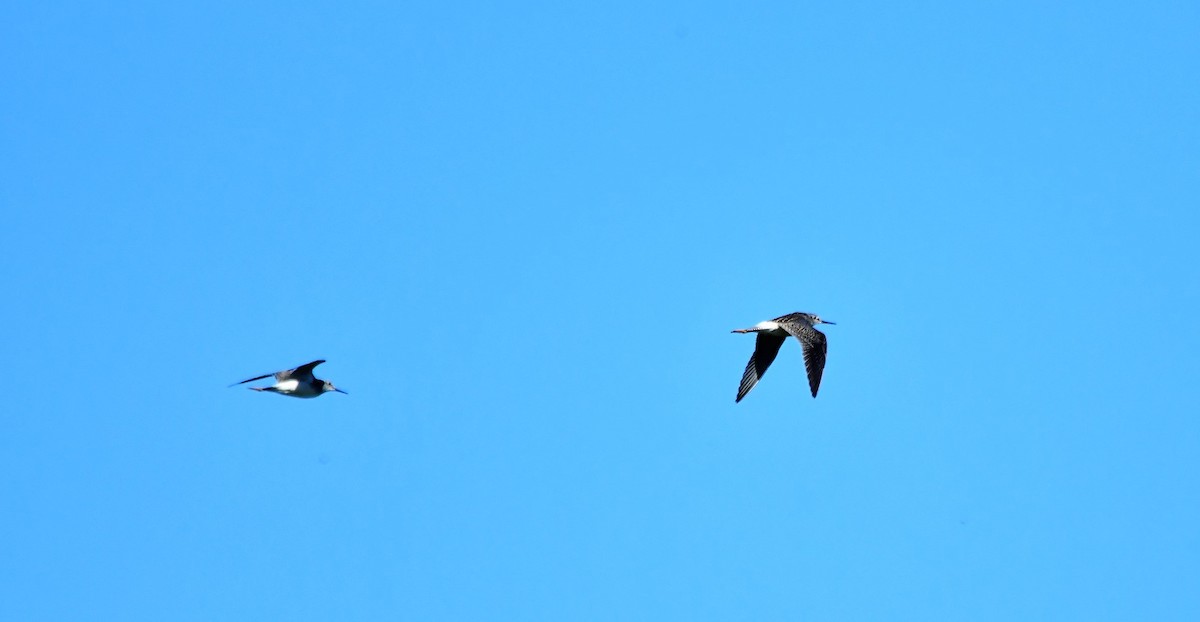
(298, 382)
(771, 335)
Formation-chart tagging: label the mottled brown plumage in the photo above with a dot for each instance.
(770, 337)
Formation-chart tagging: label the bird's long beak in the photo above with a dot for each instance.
(340, 391)
(828, 322)
(740, 330)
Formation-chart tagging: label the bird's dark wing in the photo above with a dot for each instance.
(301, 373)
(813, 342)
(252, 379)
(766, 347)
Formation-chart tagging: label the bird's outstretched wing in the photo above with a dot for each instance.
(302, 373)
(766, 348)
(252, 379)
(813, 342)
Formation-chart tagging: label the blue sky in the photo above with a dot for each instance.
(520, 234)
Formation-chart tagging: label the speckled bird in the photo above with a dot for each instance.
(298, 382)
(771, 335)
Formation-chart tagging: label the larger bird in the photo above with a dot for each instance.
(298, 382)
(771, 335)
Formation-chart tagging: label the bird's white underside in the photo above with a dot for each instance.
(287, 386)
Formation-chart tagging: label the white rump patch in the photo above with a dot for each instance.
(287, 386)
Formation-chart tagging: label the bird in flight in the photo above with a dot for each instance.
(770, 337)
(298, 382)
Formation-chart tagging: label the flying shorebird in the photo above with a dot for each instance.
(298, 382)
(771, 335)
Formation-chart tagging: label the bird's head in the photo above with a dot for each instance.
(328, 386)
(817, 320)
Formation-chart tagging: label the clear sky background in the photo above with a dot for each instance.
(521, 232)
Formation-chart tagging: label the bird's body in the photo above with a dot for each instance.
(298, 382)
(770, 337)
